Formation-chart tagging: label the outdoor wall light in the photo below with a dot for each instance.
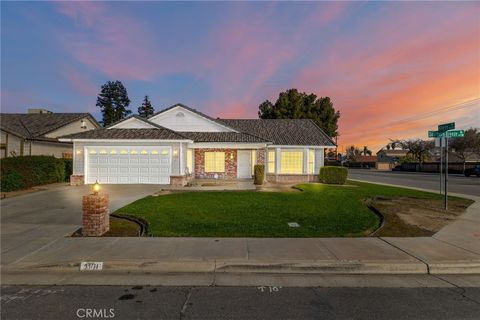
(231, 156)
(78, 152)
(175, 152)
(96, 187)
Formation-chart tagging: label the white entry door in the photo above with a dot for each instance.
(128, 165)
(244, 164)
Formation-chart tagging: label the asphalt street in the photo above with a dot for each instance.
(137, 302)
(456, 183)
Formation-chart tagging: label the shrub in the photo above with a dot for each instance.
(26, 172)
(12, 181)
(68, 168)
(258, 174)
(333, 175)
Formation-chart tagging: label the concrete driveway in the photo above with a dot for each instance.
(33, 221)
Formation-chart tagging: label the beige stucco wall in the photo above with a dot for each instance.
(73, 127)
(13, 145)
(50, 149)
(33, 148)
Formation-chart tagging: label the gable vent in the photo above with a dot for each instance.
(180, 115)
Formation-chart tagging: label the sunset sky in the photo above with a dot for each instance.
(394, 70)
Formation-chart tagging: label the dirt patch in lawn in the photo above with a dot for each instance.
(120, 227)
(415, 217)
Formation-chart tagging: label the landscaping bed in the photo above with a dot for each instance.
(320, 211)
(120, 227)
(415, 217)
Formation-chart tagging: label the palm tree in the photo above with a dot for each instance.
(366, 151)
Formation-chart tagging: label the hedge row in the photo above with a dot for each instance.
(25, 172)
(333, 175)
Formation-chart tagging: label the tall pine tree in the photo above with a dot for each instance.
(113, 101)
(293, 104)
(146, 109)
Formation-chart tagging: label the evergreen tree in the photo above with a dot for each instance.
(293, 104)
(146, 109)
(113, 101)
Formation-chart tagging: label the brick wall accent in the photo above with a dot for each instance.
(261, 156)
(77, 180)
(96, 215)
(230, 164)
(180, 181)
(292, 178)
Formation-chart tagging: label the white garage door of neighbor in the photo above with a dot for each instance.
(128, 165)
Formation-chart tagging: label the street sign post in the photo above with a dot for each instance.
(445, 131)
(446, 126)
(454, 133)
(433, 134)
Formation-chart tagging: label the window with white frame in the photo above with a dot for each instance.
(190, 160)
(311, 161)
(271, 161)
(291, 162)
(214, 161)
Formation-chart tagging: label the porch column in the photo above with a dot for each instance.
(305, 160)
(182, 165)
(278, 153)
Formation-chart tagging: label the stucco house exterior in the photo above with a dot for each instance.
(37, 132)
(179, 143)
(387, 159)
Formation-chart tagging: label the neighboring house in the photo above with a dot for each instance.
(36, 132)
(367, 159)
(179, 143)
(387, 159)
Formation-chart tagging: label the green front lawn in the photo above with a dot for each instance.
(321, 211)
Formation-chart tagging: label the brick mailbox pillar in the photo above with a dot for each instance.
(96, 215)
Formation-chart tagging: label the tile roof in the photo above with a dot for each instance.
(135, 116)
(128, 134)
(223, 137)
(191, 110)
(35, 125)
(282, 131)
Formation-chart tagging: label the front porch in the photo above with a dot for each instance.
(213, 185)
(283, 164)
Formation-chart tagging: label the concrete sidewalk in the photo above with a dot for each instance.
(453, 250)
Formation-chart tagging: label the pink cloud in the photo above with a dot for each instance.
(252, 51)
(112, 43)
(393, 72)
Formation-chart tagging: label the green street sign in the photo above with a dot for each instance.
(433, 134)
(446, 126)
(454, 134)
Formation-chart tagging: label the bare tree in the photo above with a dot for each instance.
(419, 149)
(465, 147)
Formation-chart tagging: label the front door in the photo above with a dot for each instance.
(244, 165)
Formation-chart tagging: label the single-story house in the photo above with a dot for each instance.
(180, 143)
(387, 159)
(37, 132)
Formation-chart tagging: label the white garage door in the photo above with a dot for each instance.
(128, 165)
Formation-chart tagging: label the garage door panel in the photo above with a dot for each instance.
(128, 165)
(134, 170)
